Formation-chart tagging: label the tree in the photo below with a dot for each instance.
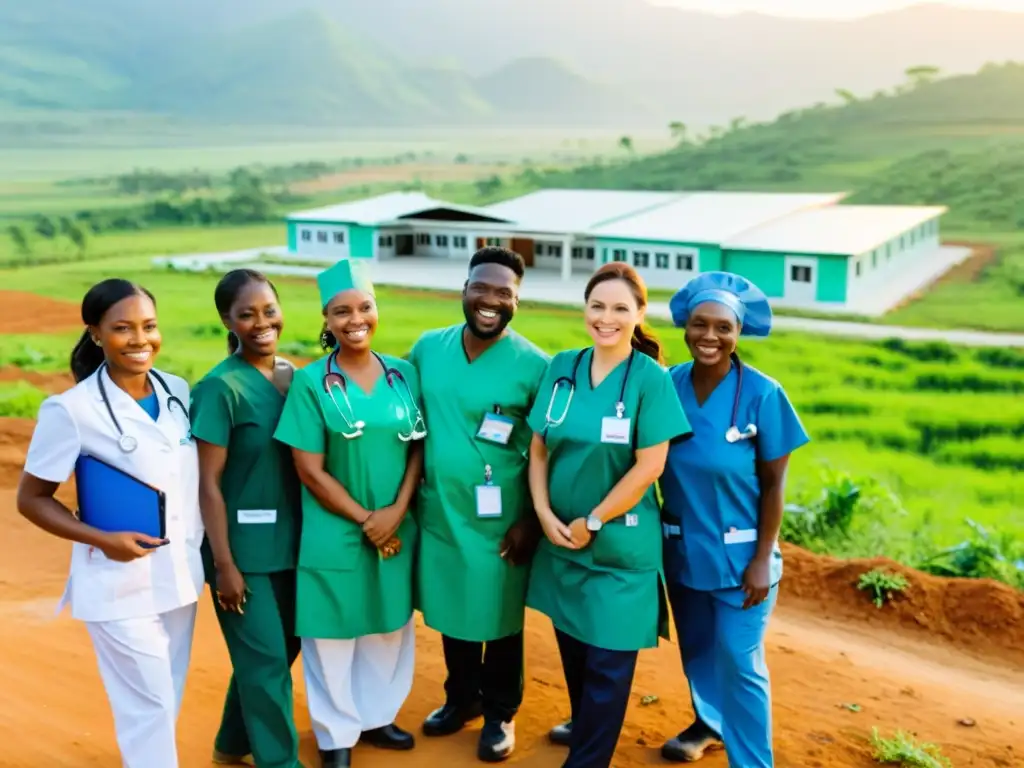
(626, 143)
(679, 131)
(846, 95)
(20, 239)
(921, 75)
(45, 228)
(76, 235)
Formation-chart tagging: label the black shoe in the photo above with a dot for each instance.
(497, 741)
(690, 745)
(388, 737)
(561, 734)
(450, 719)
(335, 758)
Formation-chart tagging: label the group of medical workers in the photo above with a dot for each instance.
(477, 477)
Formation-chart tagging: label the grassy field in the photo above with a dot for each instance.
(929, 435)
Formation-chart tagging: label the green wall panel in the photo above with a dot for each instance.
(765, 270)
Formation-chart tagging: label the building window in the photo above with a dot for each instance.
(381, 240)
(856, 268)
(422, 239)
(577, 253)
(684, 262)
(874, 259)
(339, 238)
(641, 259)
(390, 241)
(306, 235)
(661, 260)
(493, 241)
(442, 240)
(321, 237)
(538, 249)
(618, 255)
(459, 241)
(800, 274)
(590, 254)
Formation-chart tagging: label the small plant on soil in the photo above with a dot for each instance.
(902, 749)
(883, 584)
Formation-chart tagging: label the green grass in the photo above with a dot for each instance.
(902, 749)
(937, 426)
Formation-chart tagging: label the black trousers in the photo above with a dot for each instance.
(490, 673)
(599, 682)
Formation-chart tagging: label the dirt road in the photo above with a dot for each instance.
(902, 667)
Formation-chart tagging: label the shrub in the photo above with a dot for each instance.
(884, 585)
(902, 749)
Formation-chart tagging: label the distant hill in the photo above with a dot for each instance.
(352, 62)
(958, 142)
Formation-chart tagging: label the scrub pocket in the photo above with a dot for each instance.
(330, 542)
(629, 547)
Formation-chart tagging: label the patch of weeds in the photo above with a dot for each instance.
(903, 750)
(883, 585)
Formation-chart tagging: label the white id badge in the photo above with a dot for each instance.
(632, 519)
(488, 501)
(495, 428)
(257, 516)
(745, 536)
(615, 430)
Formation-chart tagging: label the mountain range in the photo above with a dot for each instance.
(446, 62)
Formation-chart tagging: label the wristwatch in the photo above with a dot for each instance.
(594, 524)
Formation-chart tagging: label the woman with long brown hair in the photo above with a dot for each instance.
(603, 421)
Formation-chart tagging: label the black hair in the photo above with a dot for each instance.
(327, 340)
(226, 294)
(505, 257)
(87, 356)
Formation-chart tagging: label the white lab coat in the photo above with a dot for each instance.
(140, 614)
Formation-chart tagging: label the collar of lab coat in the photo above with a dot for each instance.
(169, 427)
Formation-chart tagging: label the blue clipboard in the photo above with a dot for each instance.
(111, 500)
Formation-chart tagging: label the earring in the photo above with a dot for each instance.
(97, 342)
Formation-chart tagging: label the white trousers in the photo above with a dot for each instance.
(357, 685)
(143, 663)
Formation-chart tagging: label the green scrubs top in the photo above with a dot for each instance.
(237, 407)
(609, 594)
(464, 588)
(344, 589)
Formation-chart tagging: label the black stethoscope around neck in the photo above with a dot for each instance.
(128, 443)
(733, 433)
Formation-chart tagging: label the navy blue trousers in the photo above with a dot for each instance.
(599, 682)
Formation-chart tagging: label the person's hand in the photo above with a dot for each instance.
(555, 530)
(757, 581)
(391, 548)
(124, 547)
(520, 541)
(580, 535)
(381, 525)
(230, 588)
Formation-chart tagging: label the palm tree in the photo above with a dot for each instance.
(679, 131)
(626, 143)
(922, 74)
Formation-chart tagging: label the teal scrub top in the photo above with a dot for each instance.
(608, 594)
(710, 488)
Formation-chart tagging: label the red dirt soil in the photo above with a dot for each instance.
(30, 313)
(950, 650)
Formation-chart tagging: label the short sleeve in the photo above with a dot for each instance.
(301, 424)
(212, 412)
(779, 430)
(537, 420)
(55, 445)
(416, 352)
(661, 417)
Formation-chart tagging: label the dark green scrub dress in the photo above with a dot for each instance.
(237, 407)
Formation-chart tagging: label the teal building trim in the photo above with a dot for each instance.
(766, 270)
(293, 236)
(832, 274)
(361, 241)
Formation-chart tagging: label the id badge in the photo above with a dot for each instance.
(488, 501)
(257, 516)
(495, 428)
(615, 430)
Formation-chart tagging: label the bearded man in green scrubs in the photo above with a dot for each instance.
(478, 529)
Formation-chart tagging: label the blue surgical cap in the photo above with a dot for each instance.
(745, 299)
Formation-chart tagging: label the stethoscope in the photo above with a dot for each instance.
(733, 434)
(127, 443)
(336, 380)
(620, 408)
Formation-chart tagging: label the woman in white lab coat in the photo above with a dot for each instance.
(136, 594)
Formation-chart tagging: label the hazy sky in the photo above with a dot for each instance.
(830, 8)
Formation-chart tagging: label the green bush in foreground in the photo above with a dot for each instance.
(903, 750)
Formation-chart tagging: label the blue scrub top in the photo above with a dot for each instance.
(151, 405)
(710, 486)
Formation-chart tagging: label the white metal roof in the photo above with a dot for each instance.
(571, 211)
(838, 229)
(710, 217)
(382, 209)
